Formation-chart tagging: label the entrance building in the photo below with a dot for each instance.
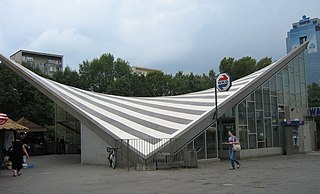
(144, 128)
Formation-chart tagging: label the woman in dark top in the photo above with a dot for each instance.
(19, 150)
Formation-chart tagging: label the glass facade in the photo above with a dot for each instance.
(205, 144)
(68, 127)
(256, 119)
(260, 114)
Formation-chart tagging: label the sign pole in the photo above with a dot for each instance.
(223, 83)
(216, 113)
(216, 101)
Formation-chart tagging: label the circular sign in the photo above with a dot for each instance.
(223, 82)
(3, 118)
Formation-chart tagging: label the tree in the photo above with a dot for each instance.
(122, 86)
(21, 99)
(100, 74)
(243, 67)
(263, 63)
(10, 94)
(180, 83)
(138, 85)
(314, 98)
(68, 77)
(158, 84)
(314, 95)
(226, 66)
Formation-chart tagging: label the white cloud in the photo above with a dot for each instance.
(170, 35)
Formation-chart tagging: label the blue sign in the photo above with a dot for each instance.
(314, 111)
(292, 123)
(223, 82)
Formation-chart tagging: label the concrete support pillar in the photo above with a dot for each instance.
(93, 147)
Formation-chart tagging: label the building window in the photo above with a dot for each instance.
(27, 59)
(266, 100)
(274, 110)
(276, 136)
(251, 118)
(199, 146)
(273, 86)
(268, 132)
(242, 113)
(252, 141)
(52, 69)
(260, 125)
(211, 134)
(302, 39)
(243, 133)
(54, 62)
(258, 95)
(280, 90)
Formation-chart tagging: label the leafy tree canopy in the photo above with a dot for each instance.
(242, 67)
(314, 95)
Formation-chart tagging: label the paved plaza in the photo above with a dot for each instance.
(64, 174)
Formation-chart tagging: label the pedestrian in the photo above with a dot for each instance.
(232, 153)
(62, 146)
(18, 151)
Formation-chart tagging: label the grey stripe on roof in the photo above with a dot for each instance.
(209, 96)
(195, 97)
(141, 111)
(109, 120)
(140, 121)
(182, 102)
(169, 108)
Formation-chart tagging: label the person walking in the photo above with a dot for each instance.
(18, 151)
(62, 146)
(232, 153)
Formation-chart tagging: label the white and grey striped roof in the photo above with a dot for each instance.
(147, 118)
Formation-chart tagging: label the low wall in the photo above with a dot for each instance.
(261, 152)
(250, 153)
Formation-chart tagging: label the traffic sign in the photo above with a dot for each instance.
(223, 82)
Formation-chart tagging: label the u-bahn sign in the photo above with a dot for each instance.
(3, 118)
(223, 82)
(314, 111)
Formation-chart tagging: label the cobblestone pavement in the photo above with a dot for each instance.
(63, 174)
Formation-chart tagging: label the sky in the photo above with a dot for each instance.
(169, 35)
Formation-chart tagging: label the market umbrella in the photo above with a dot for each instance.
(32, 126)
(3, 118)
(10, 124)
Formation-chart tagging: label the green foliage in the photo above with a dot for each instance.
(226, 66)
(314, 99)
(68, 77)
(101, 74)
(263, 63)
(21, 99)
(107, 75)
(138, 85)
(242, 67)
(158, 84)
(49, 135)
(314, 95)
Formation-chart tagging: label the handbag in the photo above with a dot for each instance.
(236, 147)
